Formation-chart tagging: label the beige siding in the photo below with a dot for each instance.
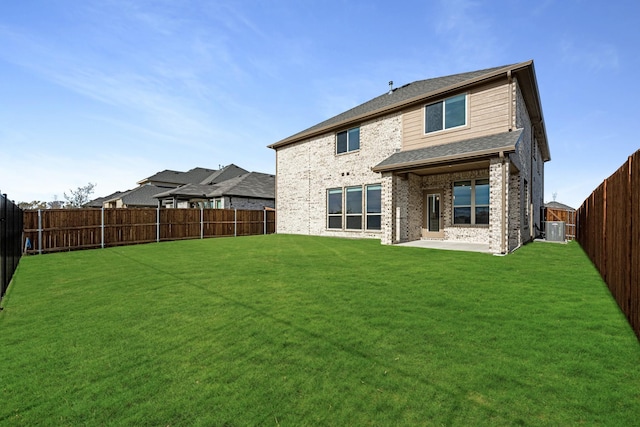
(488, 113)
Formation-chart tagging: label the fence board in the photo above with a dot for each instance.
(70, 229)
(634, 215)
(608, 231)
(11, 224)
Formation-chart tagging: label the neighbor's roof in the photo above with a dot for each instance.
(252, 185)
(169, 176)
(255, 185)
(558, 205)
(421, 90)
(98, 202)
(227, 172)
(474, 148)
(140, 196)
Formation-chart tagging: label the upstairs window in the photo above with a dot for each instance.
(447, 114)
(347, 141)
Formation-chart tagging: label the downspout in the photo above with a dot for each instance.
(510, 90)
(530, 192)
(504, 204)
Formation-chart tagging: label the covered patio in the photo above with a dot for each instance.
(459, 192)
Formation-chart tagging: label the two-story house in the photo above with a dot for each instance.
(459, 157)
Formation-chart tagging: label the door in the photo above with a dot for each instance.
(432, 223)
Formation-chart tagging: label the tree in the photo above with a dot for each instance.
(55, 204)
(79, 197)
(36, 204)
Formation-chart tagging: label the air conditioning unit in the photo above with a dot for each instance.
(555, 231)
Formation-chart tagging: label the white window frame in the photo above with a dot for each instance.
(347, 132)
(444, 114)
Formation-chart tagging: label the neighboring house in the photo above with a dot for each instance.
(99, 202)
(140, 197)
(173, 179)
(228, 187)
(251, 191)
(455, 158)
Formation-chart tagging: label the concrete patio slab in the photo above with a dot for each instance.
(448, 245)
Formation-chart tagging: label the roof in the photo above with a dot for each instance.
(252, 185)
(227, 172)
(461, 150)
(421, 90)
(98, 202)
(140, 196)
(559, 206)
(195, 175)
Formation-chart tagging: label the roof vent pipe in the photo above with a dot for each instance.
(390, 87)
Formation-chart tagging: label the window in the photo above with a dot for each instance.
(471, 202)
(354, 208)
(355, 214)
(334, 208)
(374, 207)
(348, 141)
(447, 114)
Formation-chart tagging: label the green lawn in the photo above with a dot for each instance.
(293, 331)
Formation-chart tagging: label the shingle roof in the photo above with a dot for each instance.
(558, 205)
(193, 176)
(140, 196)
(253, 185)
(227, 172)
(99, 202)
(404, 94)
(188, 190)
(466, 149)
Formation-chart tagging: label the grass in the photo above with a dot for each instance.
(293, 331)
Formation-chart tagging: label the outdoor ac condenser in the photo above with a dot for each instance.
(555, 231)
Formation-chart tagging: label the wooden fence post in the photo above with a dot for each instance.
(158, 222)
(39, 231)
(102, 228)
(235, 223)
(202, 221)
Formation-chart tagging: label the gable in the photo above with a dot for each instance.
(487, 114)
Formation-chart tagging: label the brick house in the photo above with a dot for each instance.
(459, 157)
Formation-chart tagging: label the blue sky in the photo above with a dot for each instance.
(112, 91)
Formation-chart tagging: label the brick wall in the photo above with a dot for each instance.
(307, 169)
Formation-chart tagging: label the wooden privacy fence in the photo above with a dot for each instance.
(55, 230)
(609, 232)
(10, 239)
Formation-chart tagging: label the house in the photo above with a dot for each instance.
(459, 157)
(249, 191)
(139, 197)
(99, 202)
(173, 179)
(230, 187)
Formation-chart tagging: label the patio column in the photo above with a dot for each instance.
(499, 204)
